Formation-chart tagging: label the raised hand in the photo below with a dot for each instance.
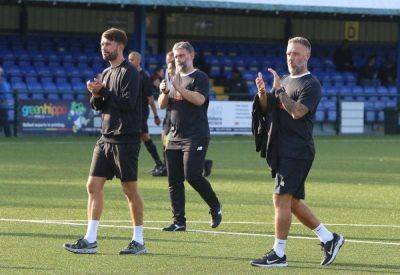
(163, 87)
(277, 80)
(260, 83)
(177, 82)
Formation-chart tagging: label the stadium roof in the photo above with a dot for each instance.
(368, 7)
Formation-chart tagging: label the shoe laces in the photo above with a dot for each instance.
(268, 253)
(132, 244)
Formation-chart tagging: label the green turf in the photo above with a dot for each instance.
(354, 180)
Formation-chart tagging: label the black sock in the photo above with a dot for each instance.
(153, 152)
(165, 163)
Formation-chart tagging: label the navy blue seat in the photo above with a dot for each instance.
(19, 86)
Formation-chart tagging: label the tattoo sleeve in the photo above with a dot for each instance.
(295, 109)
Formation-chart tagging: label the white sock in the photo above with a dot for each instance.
(323, 233)
(138, 234)
(279, 247)
(91, 233)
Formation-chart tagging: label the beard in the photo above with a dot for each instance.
(110, 56)
(297, 69)
(181, 67)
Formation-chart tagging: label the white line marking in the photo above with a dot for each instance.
(192, 230)
(250, 140)
(244, 222)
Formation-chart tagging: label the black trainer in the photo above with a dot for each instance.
(207, 167)
(270, 260)
(175, 227)
(216, 217)
(82, 246)
(159, 171)
(134, 248)
(331, 249)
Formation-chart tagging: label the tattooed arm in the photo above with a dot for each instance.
(295, 109)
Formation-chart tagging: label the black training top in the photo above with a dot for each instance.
(120, 104)
(296, 135)
(146, 88)
(188, 121)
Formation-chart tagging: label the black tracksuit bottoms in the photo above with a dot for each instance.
(188, 164)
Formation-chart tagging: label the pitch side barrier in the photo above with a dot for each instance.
(336, 114)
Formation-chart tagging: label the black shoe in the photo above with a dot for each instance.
(134, 248)
(159, 171)
(175, 227)
(331, 249)
(216, 217)
(82, 246)
(270, 260)
(207, 167)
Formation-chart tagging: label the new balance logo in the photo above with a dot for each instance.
(200, 148)
(282, 183)
(271, 262)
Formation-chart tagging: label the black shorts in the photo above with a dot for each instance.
(115, 159)
(291, 176)
(145, 127)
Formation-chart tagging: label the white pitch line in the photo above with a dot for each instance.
(192, 230)
(250, 140)
(244, 222)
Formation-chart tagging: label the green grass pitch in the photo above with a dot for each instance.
(354, 187)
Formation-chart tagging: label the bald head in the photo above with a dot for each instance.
(135, 58)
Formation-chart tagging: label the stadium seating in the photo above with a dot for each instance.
(45, 67)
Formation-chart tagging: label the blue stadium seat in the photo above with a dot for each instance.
(392, 90)
(34, 86)
(370, 116)
(74, 72)
(14, 71)
(87, 73)
(338, 79)
(44, 72)
(247, 75)
(370, 90)
(61, 79)
(331, 116)
(52, 57)
(39, 57)
(357, 90)
(59, 72)
(78, 86)
(29, 71)
(391, 102)
(38, 95)
(8, 56)
(381, 116)
(49, 86)
(326, 80)
(19, 86)
(319, 116)
(82, 65)
(379, 105)
(382, 90)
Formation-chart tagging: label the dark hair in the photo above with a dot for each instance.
(116, 35)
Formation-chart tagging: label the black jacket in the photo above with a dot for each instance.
(265, 131)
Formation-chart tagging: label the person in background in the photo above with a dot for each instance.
(5, 94)
(343, 57)
(157, 77)
(237, 87)
(368, 74)
(147, 89)
(387, 73)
